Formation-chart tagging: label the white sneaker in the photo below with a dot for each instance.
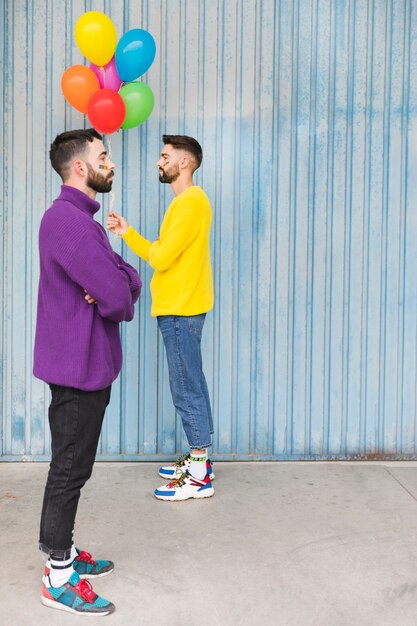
(181, 465)
(185, 487)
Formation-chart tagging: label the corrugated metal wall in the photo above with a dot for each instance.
(307, 113)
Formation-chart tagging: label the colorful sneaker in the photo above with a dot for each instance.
(180, 466)
(76, 596)
(86, 567)
(185, 487)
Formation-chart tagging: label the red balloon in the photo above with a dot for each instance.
(106, 111)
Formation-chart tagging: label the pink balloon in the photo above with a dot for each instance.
(107, 75)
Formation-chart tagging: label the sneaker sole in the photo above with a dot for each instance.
(93, 576)
(62, 607)
(207, 493)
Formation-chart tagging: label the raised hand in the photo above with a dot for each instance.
(117, 224)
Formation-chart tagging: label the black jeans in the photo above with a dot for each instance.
(75, 419)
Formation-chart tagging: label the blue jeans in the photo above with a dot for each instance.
(182, 339)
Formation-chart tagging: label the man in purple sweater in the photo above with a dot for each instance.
(85, 291)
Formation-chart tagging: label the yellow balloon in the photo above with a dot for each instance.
(96, 37)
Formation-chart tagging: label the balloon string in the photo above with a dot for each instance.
(109, 154)
(109, 147)
(111, 205)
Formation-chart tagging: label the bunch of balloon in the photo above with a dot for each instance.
(107, 90)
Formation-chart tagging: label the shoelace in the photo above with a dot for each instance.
(181, 460)
(86, 556)
(178, 482)
(86, 591)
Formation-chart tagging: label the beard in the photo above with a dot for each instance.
(165, 177)
(100, 183)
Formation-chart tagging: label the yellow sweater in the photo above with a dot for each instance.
(182, 283)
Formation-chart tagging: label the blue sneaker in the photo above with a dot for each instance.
(85, 566)
(181, 465)
(76, 596)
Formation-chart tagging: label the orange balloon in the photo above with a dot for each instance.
(78, 85)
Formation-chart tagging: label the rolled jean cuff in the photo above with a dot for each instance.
(198, 446)
(60, 554)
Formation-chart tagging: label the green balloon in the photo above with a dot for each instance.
(139, 101)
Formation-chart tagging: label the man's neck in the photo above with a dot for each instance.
(181, 184)
(87, 190)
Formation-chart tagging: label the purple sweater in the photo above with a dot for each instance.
(78, 344)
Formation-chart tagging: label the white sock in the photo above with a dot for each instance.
(198, 467)
(74, 552)
(61, 571)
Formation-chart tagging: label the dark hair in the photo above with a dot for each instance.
(182, 142)
(68, 145)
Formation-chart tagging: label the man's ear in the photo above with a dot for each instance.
(80, 167)
(185, 160)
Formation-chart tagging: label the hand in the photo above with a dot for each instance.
(117, 224)
(89, 298)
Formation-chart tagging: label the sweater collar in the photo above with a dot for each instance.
(79, 199)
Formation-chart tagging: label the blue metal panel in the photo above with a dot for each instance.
(307, 113)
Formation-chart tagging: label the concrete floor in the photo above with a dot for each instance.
(283, 544)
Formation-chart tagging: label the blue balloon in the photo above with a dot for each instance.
(135, 53)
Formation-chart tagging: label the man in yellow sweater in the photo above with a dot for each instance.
(182, 293)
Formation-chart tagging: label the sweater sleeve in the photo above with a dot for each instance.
(134, 278)
(184, 225)
(96, 269)
(137, 243)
